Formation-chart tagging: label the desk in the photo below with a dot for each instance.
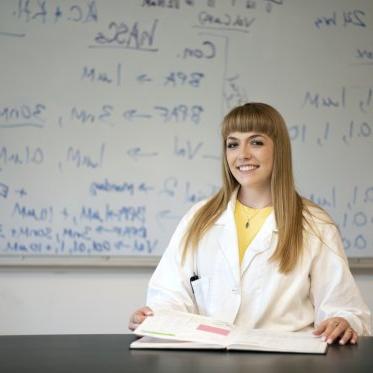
(110, 354)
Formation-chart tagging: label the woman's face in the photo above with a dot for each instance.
(250, 159)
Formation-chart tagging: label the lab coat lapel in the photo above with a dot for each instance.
(228, 239)
(264, 240)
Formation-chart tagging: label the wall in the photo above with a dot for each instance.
(85, 301)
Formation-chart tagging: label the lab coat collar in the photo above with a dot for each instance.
(226, 216)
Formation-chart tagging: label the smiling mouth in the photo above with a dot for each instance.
(249, 167)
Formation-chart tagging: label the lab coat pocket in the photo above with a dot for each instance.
(201, 290)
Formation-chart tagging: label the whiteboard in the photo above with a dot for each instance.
(110, 115)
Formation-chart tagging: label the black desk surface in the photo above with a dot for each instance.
(110, 354)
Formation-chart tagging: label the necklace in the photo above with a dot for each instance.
(247, 225)
(248, 214)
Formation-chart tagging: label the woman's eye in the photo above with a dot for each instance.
(257, 142)
(231, 145)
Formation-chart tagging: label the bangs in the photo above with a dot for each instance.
(252, 117)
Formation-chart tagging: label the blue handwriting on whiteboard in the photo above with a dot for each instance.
(93, 75)
(123, 187)
(329, 201)
(22, 116)
(81, 246)
(28, 232)
(84, 116)
(224, 22)
(207, 50)
(346, 18)
(187, 149)
(136, 153)
(124, 35)
(26, 156)
(180, 78)
(75, 233)
(180, 113)
(124, 231)
(33, 213)
(110, 214)
(317, 100)
(46, 11)
(4, 189)
(78, 159)
(170, 4)
(364, 55)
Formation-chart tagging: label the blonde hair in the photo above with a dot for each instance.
(288, 204)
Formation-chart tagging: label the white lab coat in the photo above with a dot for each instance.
(256, 294)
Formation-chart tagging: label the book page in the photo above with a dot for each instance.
(269, 340)
(157, 343)
(182, 326)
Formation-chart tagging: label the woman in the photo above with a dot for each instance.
(257, 253)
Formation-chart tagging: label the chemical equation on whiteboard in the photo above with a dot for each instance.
(45, 12)
(237, 5)
(168, 114)
(115, 77)
(109, 115)
(90, 230)
(355, 218)
(74, 246)
(339, 132)
(171, 188)
(343, 98)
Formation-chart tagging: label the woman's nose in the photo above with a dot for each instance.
(244, 153)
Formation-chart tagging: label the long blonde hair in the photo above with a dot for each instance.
(288, 204)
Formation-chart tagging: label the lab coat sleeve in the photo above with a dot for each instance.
(169, 286)
(333, 288)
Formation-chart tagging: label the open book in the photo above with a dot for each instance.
(179, 330)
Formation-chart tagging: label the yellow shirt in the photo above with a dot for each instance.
(248, 223)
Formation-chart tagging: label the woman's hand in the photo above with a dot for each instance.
(336, 328)
(138, 317)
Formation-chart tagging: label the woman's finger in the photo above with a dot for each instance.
(138, 317)
(132, 326)
(331, 331)
(347, 336)
(354, 338)
(321, 328)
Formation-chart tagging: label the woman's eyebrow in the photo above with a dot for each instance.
(256, 135)
(249, 138)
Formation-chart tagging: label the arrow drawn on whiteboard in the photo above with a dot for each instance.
(166, 215)
(143, 78)
(12, 34)
(136, 153)
(133, 114)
